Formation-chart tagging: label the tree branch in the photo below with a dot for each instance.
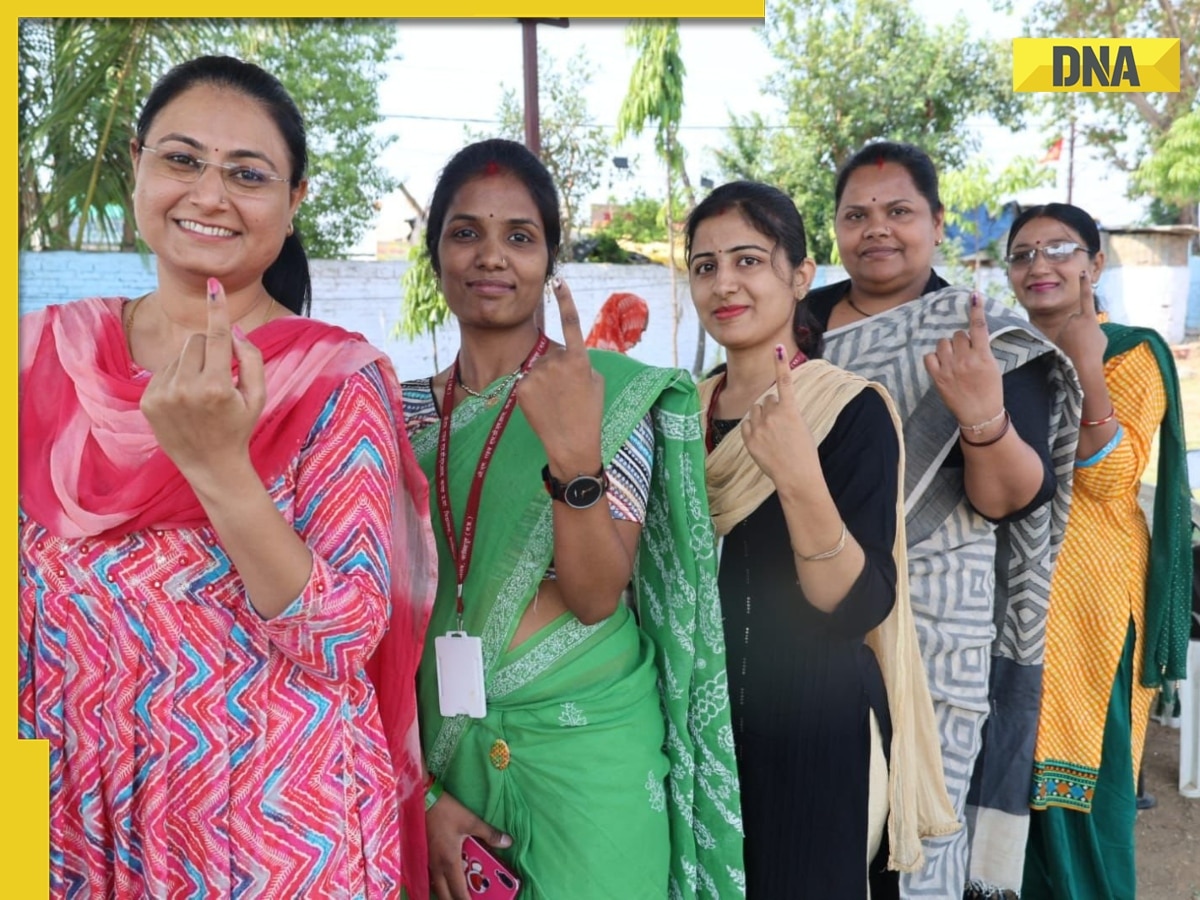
(1186, 75)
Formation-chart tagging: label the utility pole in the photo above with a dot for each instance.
(1071, 155)
(533, 139)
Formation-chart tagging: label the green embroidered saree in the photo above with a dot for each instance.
(620, 778)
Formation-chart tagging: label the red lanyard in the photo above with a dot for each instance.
(710, 443)
(462, 552)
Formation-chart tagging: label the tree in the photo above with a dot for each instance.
(973, 185)
(81, 83)
(332, 68)
(423, 308)
(854, 70)
(1126, 126)
(1172, 173)
(641, 220)
(574, 149)
(655, 95)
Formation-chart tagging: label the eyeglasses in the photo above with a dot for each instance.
(180, 165)
(1053, 252)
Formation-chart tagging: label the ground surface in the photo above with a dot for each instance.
(1168, 836)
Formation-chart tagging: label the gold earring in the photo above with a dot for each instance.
(291, 228)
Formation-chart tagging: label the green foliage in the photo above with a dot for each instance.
(1172, 174)
(81, 83)
(855, 70)
(1128, 129)
(332, 68)
(574, 150)
(423, 308)
(641, 220)
(605, 249)
(965, 189)
(1123, 126)
(655, 93)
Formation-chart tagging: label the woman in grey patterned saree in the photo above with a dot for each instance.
(990, 412)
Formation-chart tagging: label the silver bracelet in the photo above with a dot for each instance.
(983, 426)
(828, 554)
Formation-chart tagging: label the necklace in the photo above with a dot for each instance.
(711, 428)
(135, 305)
(492, 397)
(854, 306)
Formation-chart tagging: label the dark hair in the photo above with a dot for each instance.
(287, 278)
(771, 212)
(495, 157)
(1071, 216)
(915, 161)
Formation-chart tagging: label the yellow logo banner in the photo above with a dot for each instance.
(1091, 65)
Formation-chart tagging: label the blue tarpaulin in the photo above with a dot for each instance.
(987, 229)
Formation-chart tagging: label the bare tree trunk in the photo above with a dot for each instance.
(675, 310)
(690, 195)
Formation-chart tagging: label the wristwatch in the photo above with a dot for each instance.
(580, 492)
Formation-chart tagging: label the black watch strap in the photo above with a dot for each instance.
(580, 492)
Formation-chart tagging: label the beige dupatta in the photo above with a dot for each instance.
(918, 804)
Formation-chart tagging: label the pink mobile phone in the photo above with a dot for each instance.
(486, 875)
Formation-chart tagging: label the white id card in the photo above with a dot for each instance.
(460, 675)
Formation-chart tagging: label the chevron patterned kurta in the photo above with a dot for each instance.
(981, 636)
(196, 749)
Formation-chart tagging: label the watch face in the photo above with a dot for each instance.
(583, 491)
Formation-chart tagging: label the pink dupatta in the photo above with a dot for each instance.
(89, 465)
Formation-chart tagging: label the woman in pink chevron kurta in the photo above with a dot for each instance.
(220, 517)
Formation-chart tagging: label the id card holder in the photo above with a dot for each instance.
(460, 675)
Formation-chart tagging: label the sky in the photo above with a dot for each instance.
(450, 76)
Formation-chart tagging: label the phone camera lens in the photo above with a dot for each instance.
(503, 878)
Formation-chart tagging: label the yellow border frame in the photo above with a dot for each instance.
(27, 762)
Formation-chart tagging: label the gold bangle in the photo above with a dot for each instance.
(828, 554)
(1095, 423)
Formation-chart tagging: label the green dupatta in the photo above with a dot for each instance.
(677, 600)
(1169, 579)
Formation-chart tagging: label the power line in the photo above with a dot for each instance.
(427, 118)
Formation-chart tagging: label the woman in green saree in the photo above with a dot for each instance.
(602, 763)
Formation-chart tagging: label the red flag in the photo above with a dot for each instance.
(1053, 152)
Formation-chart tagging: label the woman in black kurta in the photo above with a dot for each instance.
(802, 682)
(806, 498)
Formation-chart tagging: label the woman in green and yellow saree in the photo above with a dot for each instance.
(585, 739)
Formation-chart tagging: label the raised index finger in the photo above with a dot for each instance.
(1087, 297)
(978, 322)
(569, 316)
(218, 341)
(783, 372)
